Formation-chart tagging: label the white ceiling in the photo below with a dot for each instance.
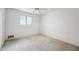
(31, 10)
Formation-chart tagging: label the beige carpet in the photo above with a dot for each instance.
(38, 43)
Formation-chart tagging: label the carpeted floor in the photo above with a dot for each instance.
(38, 43)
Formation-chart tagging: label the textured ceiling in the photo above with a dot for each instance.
(31, 10)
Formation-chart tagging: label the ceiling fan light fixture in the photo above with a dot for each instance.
(36, 11)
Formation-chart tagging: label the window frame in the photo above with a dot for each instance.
(25, 19)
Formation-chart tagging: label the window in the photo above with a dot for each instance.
(25, 20)
(29, 20)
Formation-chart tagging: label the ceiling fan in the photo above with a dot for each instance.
(36, 11)
(39, 10)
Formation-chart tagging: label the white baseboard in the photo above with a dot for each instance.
(23, 37)
(59, 38)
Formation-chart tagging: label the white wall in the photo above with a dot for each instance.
(61, 24)
(77, 26)
(13, 24)
(2, 26)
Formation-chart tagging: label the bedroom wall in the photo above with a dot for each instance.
(77, 25)
(2, 26)
(61, 24)
(13, 24)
